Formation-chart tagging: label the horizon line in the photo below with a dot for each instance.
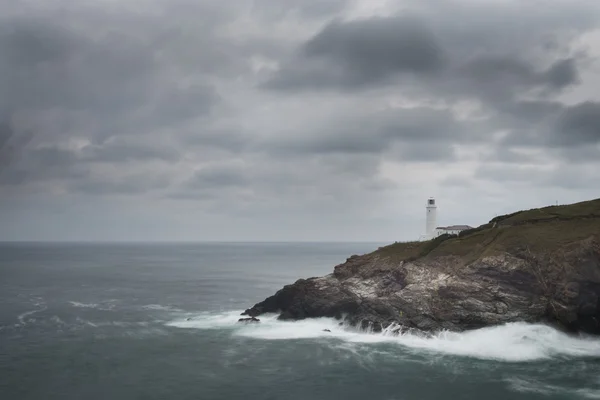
(191, 241)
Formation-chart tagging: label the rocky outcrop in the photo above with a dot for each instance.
(249, 320)
(499, 274)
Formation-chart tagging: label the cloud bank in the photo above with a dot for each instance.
(291, 120)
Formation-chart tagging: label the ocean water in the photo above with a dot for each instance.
(158, 321)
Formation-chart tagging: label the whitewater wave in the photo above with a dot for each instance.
(83, 305)
(513, 342)
(160, 307)
(22, 317)
(107, 305)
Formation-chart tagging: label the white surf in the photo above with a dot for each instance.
(511, 342)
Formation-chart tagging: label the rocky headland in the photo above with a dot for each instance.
(540, 265)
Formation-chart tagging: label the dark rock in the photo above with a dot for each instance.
(252, 312)
(326, 330)
(249, 320)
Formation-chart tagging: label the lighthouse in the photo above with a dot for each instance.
(431, 218)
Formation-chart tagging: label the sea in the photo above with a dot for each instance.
(159, 321)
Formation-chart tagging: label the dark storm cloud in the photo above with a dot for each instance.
(561, 74)
(49, 66)
(359, 53)
(90, 75)
(557, 126)
(579, 125)
(480, 57)
(498, 79)
(428, 55)
(122, 72)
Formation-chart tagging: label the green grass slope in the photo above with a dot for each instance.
(536, 230)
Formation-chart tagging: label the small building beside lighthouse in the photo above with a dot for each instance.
(432, 230)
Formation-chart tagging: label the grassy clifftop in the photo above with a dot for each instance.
(537, 230)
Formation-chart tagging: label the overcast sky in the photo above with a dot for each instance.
(291, 119)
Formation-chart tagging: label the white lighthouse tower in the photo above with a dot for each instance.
(431, 218)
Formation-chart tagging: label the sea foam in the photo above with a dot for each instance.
(513, 342)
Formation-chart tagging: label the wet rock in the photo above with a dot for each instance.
(249, 320)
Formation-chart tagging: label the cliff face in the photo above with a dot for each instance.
(537, 266)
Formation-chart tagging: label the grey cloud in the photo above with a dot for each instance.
(127, 185)
(230, 139)
(56, 67)
(508, 155)
(123, 76)
(575, 177)
(424, 152)
(510, 173)
(554, 125)
(581, 154)
(74, 76)
(28, 43)
(115, 152)
(524, 113)
(277, 9)
(562, 73)
(579, 124)
(355, 54)
(377, 46)
(44, 164)
(457, 181)
(65, 165)
(170, 103)
(499, 78)
(218, 176)
(184, 104)
(562, 176)
(442, 54)
(412, 130)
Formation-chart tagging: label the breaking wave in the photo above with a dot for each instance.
(83, 305)
(513, 342)
(106, 305)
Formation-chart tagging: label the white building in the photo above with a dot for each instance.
(431, 229)
(451, 230)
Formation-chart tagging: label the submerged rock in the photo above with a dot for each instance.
(249, 320)
(534, 266)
